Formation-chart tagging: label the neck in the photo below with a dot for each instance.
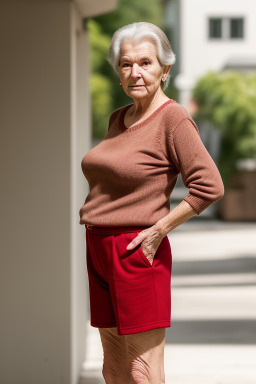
(143, 106)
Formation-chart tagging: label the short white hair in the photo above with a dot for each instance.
(137, 32)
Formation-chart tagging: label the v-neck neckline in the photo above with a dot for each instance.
(124, 128)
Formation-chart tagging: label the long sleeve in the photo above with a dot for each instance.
(198, 170)
(132, 172)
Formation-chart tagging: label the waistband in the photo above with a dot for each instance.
(112, 229)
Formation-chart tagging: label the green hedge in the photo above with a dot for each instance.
(228, 100)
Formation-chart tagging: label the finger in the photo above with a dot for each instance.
(133, 243)
(151, 260)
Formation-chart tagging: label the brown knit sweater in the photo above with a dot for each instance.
(132, 171)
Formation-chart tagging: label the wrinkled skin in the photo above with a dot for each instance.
(150, 240)
(133, 359)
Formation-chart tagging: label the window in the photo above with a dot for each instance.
(226, 28)
(236, 28)
(215, 28)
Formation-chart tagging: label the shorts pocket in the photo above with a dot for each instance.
(143, 256)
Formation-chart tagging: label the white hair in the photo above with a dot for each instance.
(137, 32)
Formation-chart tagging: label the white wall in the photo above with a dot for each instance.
(80, 144)
(198, 54)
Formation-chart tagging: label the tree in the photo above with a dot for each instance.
(100, 84)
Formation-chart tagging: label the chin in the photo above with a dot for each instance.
(137, 94)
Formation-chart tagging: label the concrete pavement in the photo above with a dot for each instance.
(212, 339)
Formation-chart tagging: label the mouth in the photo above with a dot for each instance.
(136, 86)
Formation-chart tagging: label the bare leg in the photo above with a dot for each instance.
(115, 363)
(133, 359)
(146, 356)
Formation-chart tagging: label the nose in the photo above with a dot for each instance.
(135, 71)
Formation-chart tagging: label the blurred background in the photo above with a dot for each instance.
(57, 92)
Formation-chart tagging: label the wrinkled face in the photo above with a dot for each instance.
(139, 69)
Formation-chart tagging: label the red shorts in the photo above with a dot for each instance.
(126, 291)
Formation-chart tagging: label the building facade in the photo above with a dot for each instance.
(209, 35)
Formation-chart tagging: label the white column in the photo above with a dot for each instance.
(80, 144)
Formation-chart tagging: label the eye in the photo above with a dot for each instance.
(146, 63)
(125, 65)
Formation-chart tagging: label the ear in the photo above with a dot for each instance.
(167, 69)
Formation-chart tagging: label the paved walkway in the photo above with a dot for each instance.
(212, 339)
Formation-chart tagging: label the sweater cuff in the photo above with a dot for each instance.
(197, 203)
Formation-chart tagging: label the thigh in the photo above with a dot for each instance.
(133, 358)
(145, 354)
(115, 362)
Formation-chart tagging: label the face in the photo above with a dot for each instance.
(139, 69)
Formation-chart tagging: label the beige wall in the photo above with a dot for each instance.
(45, 131)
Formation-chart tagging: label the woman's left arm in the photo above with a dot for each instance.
(152, 237)
(198, 170)
(199, 174)
(178, 215)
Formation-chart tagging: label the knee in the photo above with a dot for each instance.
(114, 375)
(143, 373)
(109, 375)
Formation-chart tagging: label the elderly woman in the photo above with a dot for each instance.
(131, 175)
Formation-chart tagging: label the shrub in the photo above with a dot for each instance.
(228, 101)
